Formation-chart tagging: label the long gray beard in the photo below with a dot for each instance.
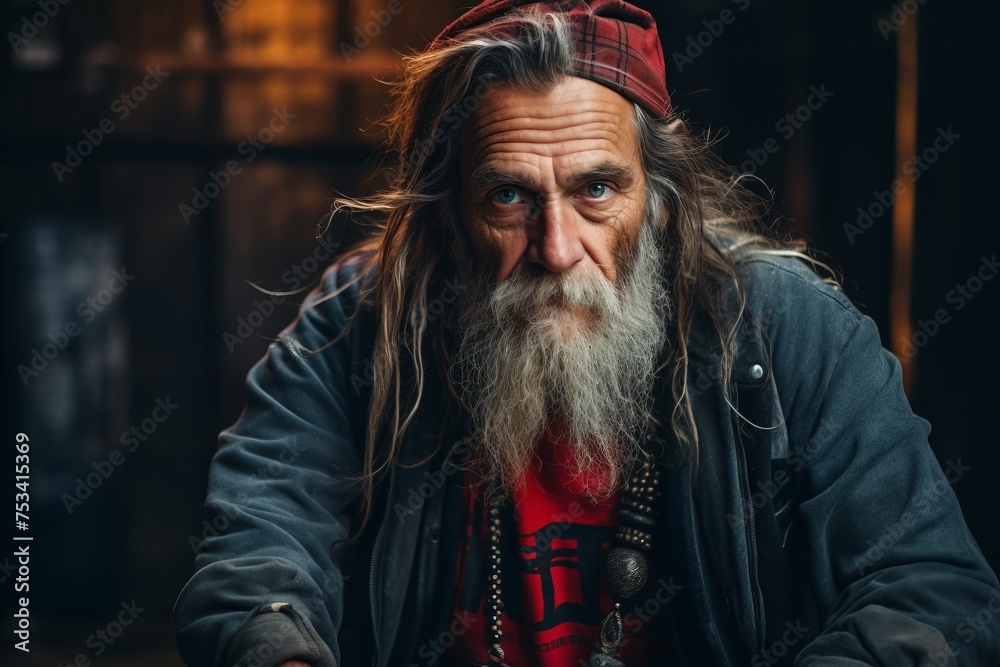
(519, 371)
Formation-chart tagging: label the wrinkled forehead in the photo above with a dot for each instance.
(574, 121)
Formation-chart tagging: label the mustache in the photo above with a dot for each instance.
(528, 299)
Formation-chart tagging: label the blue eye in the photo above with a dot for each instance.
(597, 190)
(507, 196)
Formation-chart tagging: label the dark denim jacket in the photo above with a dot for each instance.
(819, 529)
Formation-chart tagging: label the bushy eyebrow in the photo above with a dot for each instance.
(606, 171)
(489, 174)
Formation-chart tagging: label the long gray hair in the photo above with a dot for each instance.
(704, 213)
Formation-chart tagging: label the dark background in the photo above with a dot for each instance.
(174, 331)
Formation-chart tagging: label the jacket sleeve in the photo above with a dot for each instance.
(266, 588)
(896, 575)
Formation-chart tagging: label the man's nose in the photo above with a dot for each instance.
(554, 238)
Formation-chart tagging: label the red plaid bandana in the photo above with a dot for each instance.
(616, 43)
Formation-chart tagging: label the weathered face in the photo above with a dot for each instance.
(564, 311)
(552, 181)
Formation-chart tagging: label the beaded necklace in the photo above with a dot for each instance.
(625, 568)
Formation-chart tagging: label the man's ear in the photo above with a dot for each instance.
(677, 125)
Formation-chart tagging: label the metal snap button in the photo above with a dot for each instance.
(756, 371)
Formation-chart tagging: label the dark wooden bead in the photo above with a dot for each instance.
(626, 571)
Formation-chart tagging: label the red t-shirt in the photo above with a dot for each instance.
(553, 543)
